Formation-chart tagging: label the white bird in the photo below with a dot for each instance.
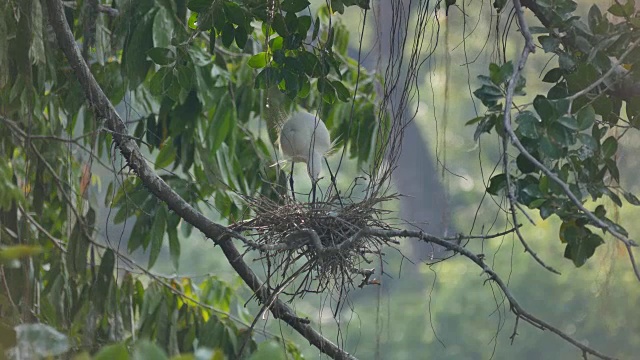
(305, 138)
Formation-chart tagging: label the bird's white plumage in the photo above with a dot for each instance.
(305, 138)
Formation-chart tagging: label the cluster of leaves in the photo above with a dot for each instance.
(193, 88)
(296, 50)
(179, 325)
(568, 130)
(193, 122)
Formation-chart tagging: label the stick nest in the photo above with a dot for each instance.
(316, 247)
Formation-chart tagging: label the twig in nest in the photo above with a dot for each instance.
(327, 239)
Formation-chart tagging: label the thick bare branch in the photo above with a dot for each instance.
(105, 111)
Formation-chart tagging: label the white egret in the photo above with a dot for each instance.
(305, 138)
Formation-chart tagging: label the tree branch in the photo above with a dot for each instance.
(516, 308)
(528, 48)
(220, 235)
(624, 90)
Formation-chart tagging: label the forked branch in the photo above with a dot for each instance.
(528, 48)
(516, 308)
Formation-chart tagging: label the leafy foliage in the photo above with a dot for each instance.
(192, 78)
(570, 130)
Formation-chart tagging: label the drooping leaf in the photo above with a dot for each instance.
(259, 60)
(581, 247)
(609, 147)
(112, 352)
(157, 235)
(527, 123)
(586, 117)
(497, 183)
(134, 58)
(163, 28)
(631, 198)
(144, 350)
(166, 156)
(295, 6)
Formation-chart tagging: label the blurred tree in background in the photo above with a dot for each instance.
(98, 261)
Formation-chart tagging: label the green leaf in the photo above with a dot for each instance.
(162, 28)
(497, 183)
(538, 30)
(259, 60)
(600, 212)
(235, 13)
(166, 156)
(162, 56)
(615, 198)
(278, 24)
(524, 165)
(134, 57)
(185, 77)
(527, 123)
(612, 166)
(157, 234)
(102, 286)
(199, 5)
(586, 117)
(159, 84)
(192, 22)
(594, 17)
(341, 90)
(498, 4)
(304, 24)
(553, 75)
(221, 124)
(267, 77)
(580, 248)
(549, 43)
(145, 350)
(589, 144)
(489, 95)
(291, 83)
(112, 352)
(174, 247)
(544, 108)
(560, 135)
(566, 61)
(269, 350)
(326, 90)
(569, 122)
(609, 147)
(549, 150)
(618, 10)
(528, 193)
(294, 6)
(486, 124)
(241, 36)
(228, 34)
(631, 198)
(546, 209)
(37, 51)
(500, 74)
